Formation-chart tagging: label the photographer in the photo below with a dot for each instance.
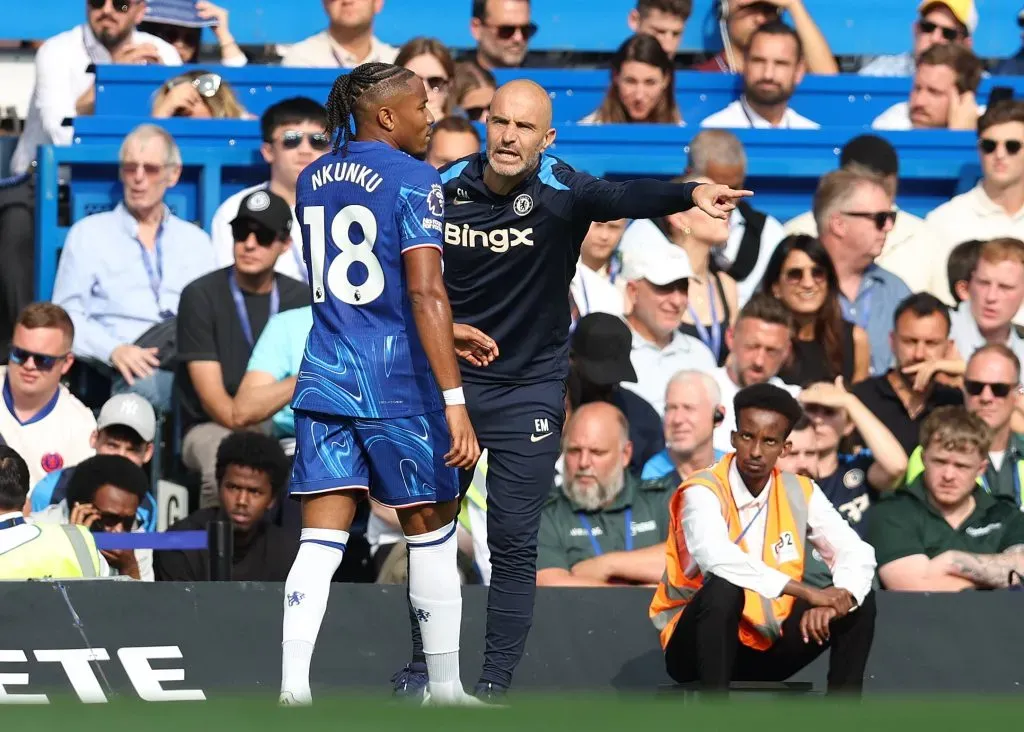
(103, 496)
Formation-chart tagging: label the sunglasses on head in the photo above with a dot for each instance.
(927, 27)
(240, 230)
(795, 275)
(989, 146)
(879, 217)
(507, 32)
(999, 390)
(42, 361)
(291, 139)
(474, 114)
(121, 6)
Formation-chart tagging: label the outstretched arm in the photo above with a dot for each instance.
(601, 200)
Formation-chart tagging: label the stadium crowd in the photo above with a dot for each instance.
(901, 337)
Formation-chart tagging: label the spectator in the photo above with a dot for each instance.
(642, 88)
(961, 265)
(942, 97)
(600, 249)
(31, 551)
(943, 533)
(852, 482)
(64, 85)
(181, 22)
(910, 241)
(348, 40)
(739, 20)
(113, 296)
(474, 88)
(800, 274)
(126, 427)
(693, 408)
(854, 214)
(592, 289)
(728, 606)
(624, 520)
(664, 20)
(753, 235)
(600, 366)
(1013, 66)
(657, 278)
(801, 457)
(898, 396)
(502, 30)
(759, 344)
(199, 95)
(452, 138)
(294, 136)
(104, 495)
(220, 317)
(995, 294)
(991, 383)
(995, 206)
(773, 67)
(940, 22)
(252, 473)
(40, 418)
(429, 59)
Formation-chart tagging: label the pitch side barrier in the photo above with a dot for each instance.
(95, 640)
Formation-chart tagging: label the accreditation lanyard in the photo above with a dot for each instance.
(155, 271)
(593, 540)
(11, 523)
(712, 339)
(243, 312)
(747, 528)
(1016, 483)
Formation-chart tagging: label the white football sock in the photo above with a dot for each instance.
(436, 596)
(305, 601)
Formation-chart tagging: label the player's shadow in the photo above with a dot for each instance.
(645, 672)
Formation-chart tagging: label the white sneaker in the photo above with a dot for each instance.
(288, 699)
(461, 700)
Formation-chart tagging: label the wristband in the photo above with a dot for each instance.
(454, 397)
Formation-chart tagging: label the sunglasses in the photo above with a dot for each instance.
(43, 362)
(173, 34)
(240, 230)
(507, 32)
(291, 139)
(795, 275)
(436, 83)
(999, 390)
(821, 409)
(152, 170)
(121, 6)
(927, 27)
(989, 146)
(879, 217)
(110, 521)
(474, 114)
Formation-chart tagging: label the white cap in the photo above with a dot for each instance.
(129, 410)
(658, 262)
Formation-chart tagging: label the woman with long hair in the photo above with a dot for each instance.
(200, 95)
(474, 89)
(642, 88)
(430, 60)
(801, 275)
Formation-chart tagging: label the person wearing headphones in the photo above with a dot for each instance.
(738, 19)
(693, 409)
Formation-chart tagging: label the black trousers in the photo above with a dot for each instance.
(705, 646)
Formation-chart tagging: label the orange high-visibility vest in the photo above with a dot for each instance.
(785, 531)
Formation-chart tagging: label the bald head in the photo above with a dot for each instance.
(602, 416)
(596, 452)
(518, 128)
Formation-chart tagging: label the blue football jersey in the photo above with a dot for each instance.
(360, 212)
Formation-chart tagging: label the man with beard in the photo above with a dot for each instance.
(605, 527)
(773, 66)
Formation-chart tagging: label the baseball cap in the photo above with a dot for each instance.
(129, 410)
(962, 10)
(658, 262)
(267, 210)
(600, 350)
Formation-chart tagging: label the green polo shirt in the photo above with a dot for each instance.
(564, 538)
(1005, 483)
(905, 523)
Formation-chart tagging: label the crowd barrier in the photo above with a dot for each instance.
(168, 641)
(845, 100)
(852, 28)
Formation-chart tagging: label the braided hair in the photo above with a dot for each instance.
(349, 88)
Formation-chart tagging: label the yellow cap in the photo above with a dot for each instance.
(963, 10)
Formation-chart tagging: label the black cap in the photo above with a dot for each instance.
(600, 350)
(267, 210)
(770, 398)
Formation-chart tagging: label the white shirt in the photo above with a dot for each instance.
(322, 51)
(968, 339)
(897, 117)
(593, 293)
(15, 536)
(655, 366)
(771, 235)
(722, 438)
(289, 264)
(57, 437)
(850, 559)
(739, 115)
(61, 79)
(908, 245)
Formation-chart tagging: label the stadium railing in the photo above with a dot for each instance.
(217, 540)
(852, 28)
(846, 100)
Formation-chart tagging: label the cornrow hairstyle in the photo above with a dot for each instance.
(343, 100)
